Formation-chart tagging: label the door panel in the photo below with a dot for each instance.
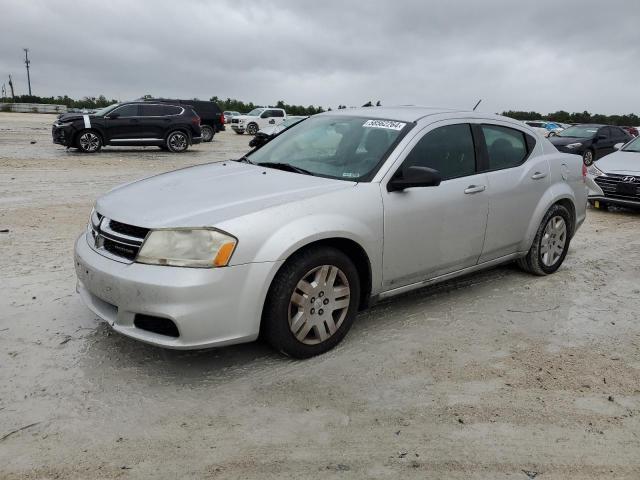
(517, 180)
(514, 195)
(430, 231)
(126, 126)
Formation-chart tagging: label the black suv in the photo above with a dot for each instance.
(170, 127)
(211, 116)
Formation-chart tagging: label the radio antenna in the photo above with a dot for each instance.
(474, 108)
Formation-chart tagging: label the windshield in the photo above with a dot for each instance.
(291, 121)
(579, 132)
(256, 112)
(633, 146)
(103, 111)
(345, 148)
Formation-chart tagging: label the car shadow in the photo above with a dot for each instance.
(109, 353)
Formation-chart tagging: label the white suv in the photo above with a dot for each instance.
(257, 119)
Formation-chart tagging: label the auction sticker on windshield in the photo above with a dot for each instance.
(388, 124)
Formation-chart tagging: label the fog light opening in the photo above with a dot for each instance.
(159, 325)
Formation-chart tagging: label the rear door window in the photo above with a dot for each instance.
(506, 147)
(152, 110)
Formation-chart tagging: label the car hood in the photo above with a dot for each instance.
(68, 117)
(620, 163)
(206, 195)
(562, 141)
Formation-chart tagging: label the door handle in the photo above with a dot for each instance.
(474, 189)
(538, 175)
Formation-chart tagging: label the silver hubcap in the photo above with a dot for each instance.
(588, 156)
(207, 133)
(252, 129)
(319, 304)
(553, 241)
(178, 141)
(89, 142)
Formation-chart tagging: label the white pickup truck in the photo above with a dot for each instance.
(257, 119)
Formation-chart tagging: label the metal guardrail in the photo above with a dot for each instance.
(32, 108)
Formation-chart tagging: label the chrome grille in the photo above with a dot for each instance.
(235, 120)
(116, 238)
(620, 186)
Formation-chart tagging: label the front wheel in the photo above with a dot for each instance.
(312, 303)
(177, 142)
(252, 129)
(551, 243)
(89, 142)
(207, 133)
(588, 157)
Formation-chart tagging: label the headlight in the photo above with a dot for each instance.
(187, 247)
(574, 145)
(594, 171)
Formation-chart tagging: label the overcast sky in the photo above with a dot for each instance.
(541, 55)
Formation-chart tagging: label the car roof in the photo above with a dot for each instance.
(407, 113)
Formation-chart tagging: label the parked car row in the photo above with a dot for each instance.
(591, 141)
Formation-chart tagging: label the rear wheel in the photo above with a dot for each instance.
(207, 133)
(550, 244)
(177, 141)
(588, 157)
(312, 303)
(89, 142)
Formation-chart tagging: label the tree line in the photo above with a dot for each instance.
(561, 116)
(86, 102)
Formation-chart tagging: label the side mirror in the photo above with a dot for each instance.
(618, 146)
(415, 177)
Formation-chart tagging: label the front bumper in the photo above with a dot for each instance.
(238, 127)
(62, 135)
(210, 307)
(595, 193)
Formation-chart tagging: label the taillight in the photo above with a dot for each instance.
(222, 118)
(196, 120)
(584, 172)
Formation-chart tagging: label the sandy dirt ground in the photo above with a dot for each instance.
(499, 375)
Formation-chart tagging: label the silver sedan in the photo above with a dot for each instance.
(335, 213)
(615, 179)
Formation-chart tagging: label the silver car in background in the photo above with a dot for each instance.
(340, 210)
(615, 179)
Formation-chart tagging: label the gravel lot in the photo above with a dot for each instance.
(497, 375)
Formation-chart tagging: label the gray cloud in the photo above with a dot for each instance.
(542, 55)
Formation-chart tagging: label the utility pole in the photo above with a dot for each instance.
(27, 62)
(13, 95)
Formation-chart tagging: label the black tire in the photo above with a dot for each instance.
(207, 133)
(279, 305)
(252, 128)
(177, 141)
(89, 141)
(239, 132)
(588, 157)
(534, 261)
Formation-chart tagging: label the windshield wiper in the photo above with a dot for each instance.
(286, 167)
(244, 159)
